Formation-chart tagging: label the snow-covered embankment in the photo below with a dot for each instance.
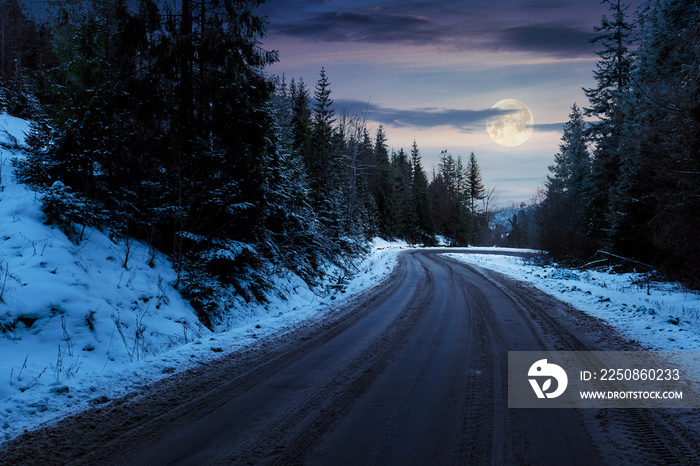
(82, 323)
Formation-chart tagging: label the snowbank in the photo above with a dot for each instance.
(78, 328)
(661, 316)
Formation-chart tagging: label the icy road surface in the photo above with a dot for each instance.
(412, 372)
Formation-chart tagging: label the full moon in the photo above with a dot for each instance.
(512, 128)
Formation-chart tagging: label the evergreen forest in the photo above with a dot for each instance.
(158, 121)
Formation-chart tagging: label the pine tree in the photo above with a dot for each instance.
(450, 203)
(91, 94)
(163, 121)
(323, 119)
(424, 213)
(381, 184)
(656, 200)
(571, 169)
(324, 164)
(474, 192)
(475, 186)
(301, 119)
(613, 69)
(369, 177)
(607, 100)
(563, 215)
(24, 54)
(292, 226)
(399, 195)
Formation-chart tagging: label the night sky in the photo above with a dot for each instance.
(431, 71)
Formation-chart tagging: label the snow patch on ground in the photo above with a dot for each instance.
(78, 329)
(660, 315)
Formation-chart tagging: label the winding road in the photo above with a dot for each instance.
(412, 372)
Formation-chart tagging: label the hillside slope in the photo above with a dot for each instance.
(84, 322)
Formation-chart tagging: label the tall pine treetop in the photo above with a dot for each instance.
(571, 169)
(475, 186)
(323, 110)
(613, 69)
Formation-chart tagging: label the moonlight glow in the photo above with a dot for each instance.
(512, 128)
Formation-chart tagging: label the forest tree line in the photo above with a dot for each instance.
(157, 121)
(625, 183)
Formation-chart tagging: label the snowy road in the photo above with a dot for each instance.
(414, 372)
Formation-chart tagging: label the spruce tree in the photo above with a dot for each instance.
(323, 119)
(563, 215)
(381, 185)
(612, 72)
(424, 213)
(607, 99)
(301, 118)
(571, 169)
(399, 195)
(450, 203)
(475, 186)
(292, 225)
(657, 197)
(24, 55)
(163, 121)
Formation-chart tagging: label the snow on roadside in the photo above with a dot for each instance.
(661, 316)
(78, 329)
